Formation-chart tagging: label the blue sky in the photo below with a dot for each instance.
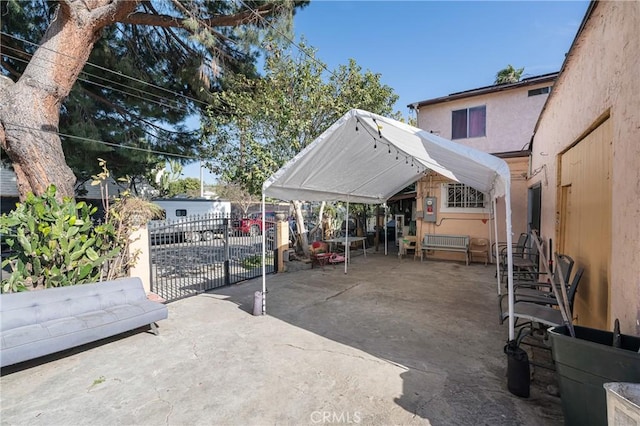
(428, 49)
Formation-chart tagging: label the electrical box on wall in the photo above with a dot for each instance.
(429, 210)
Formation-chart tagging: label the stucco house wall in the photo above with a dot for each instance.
(600, 81)
(511, 117)
(476, 225)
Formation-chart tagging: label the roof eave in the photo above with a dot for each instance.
(487, 89)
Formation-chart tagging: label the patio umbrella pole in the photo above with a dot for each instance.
(386, 244)
(347, 255)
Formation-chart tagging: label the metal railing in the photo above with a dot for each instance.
(198, 253)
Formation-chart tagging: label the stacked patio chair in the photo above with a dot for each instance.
(499, 250)
(540, 308)
(536, 314)
(540, 304)
(526, 263)
(530, 283)
(526, 260)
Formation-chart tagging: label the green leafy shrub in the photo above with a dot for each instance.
(56, 243)
(255, 261)
(124, 214)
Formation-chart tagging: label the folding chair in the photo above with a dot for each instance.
(499, 250)
(540, 306)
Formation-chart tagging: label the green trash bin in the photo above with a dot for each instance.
(584, 364)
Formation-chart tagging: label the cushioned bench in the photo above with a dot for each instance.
(42, 322)
(459, 243)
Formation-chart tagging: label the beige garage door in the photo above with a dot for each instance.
(585, 221)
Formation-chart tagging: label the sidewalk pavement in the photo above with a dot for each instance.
(391, 342)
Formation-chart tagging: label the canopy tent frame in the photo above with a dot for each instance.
(327, 170)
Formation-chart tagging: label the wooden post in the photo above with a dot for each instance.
(139, 247)
(282, 239)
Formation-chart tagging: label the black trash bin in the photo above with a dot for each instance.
(518, 376)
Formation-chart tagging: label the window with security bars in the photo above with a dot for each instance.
(462, 196)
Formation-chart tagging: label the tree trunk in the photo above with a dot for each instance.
(30, 111)
(319, 226)
(302, 232)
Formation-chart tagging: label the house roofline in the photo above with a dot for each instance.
(530, 81)
(512, 154)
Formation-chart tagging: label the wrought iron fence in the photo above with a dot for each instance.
(198, 253)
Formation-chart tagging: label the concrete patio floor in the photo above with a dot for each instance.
(392, 342)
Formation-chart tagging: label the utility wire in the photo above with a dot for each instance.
(313, 58)
(167, 102)
(180, 95)
(83, 139)
(157, 102)
(153, 135)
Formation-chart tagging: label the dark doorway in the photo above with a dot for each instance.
(535, 207)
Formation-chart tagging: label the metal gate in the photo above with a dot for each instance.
(198, 253)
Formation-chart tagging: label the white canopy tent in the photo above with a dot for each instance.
(366, 158)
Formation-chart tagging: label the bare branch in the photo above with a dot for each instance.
(244, 17)
(14, 72)
(113, 11)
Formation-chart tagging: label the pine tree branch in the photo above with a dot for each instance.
(11, 70)
(241, 18)
(123, 112)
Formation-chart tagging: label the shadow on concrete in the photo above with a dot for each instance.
(437, 320)
(25, 365)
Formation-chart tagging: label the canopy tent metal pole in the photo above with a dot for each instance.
(346, 239)
(264, 259)
(495, 229)
(507, 208)
(386, 242)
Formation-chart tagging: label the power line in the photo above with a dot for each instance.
(169, 101)
(83, 139)
(134, 116)
(313, 58)
(154, 101)
(119, 74)
(141, 128)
